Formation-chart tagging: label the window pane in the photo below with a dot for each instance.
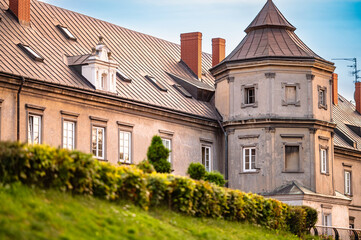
(292, 158)
(94, 141)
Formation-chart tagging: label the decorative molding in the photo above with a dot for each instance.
(323, 138)
(270, 129)
(310, 77)
(292, 135)
(347, 165)
(230, 79)
(34, 107)
(248, 136)
(231, 131)
(206, 140)
(312, 130)
(124, 124)
(98, 119)
(270, 75)
(72, 114)
(327, 206)
(165, 132)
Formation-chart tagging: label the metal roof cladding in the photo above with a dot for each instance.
(136, 54)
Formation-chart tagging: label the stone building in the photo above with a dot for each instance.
(268, 116)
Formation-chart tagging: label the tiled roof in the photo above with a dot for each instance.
(137, 54)
(270, 35)
(348, 121)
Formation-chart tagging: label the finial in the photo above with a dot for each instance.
(100, 40)
(93, 50)
(109, 55)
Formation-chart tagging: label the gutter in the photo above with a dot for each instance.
(18, 109)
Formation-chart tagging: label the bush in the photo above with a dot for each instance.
(196, 171)
(79, 173)
(216, 178)
(146, 166)
(158, 154)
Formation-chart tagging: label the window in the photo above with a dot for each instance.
(323, 155)
(206, 157)
(168, 145)
(103, 82)
(65, 31)
(156, 83)
(123, 76)
(292, 158)
(98, 136)
(182, 90)
(249, 159)
(291, 96)
(327, 222)
(69, 135)
(322, 97)
(34, 129)
(28, 50)
(250, 95)
(125, 147)
(347, 183)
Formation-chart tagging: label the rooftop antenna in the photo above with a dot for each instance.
(355, 72)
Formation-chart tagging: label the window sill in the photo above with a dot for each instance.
(102, 160)
(252, 105)
(125, 163)
(349, 195)
(320, 106)
(326, 174)
(293, 172)
(250, 172)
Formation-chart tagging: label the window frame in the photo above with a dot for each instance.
(130, 146)
(65, 120)
(207, 146)
(348, 190)
(250, 148)
(324, 157)
(169, 159)
(244, 96)
(31, 52)
(300, 155)
(1, 101)
(322, 102)
(285, 102)
(66, 32)
(40, 128)
(103, 144)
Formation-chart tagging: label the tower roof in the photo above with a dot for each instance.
(271, 35)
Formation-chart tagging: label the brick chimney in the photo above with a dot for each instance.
(358, 96)
(21, 10)
(191, 51)
(335, 88)
(218, 50)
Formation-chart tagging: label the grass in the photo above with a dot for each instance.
(27, 213)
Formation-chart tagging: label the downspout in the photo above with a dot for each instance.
(18, 109)
(226, 152)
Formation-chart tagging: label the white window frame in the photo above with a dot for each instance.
(122, 146)
(66, 136)
(31, 129)
(348, 183)
(248, 96)
(324, 160)
(209, 160)
(250, 169)
(327, 222)
(97, 146)
(169, 141)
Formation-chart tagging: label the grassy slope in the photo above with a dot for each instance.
(37, 214)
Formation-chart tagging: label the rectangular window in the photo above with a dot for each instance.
(98, 135)
(168, 145)
(327, 222)
(250, 95)
(125, 147)
(322, 97)
(69, 135)
(206, 157)
(347, 183)
(34, 129)
(249, 159)
(324, 161)
(292, 158)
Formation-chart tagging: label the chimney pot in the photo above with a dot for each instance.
(358, 96)
(335, 88)
(218, 50)
(21, 10)
(191, 51)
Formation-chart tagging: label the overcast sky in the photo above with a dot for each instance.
(331, 28)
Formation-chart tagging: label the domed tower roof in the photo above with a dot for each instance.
(270, 35)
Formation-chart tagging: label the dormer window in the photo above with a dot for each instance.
(182, 91)
(65, 31)
(123, 76)
(103, 82)
(156, 83)
(30, 52)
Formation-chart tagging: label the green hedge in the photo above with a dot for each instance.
(80, 173)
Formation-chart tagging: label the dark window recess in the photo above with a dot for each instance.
(31, 53)
(123, 76)
(182, 90)
(156, 83)
(292, 158)
(65, 31)
(250, 95)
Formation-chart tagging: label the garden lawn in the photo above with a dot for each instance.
(27, 213)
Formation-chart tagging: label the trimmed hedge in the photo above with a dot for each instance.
(80, 173)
